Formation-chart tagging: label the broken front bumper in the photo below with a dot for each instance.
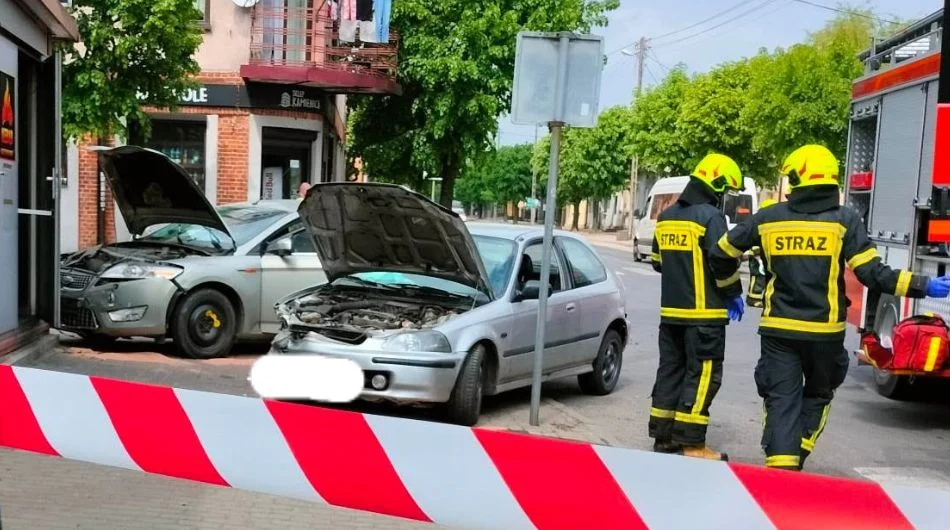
(134, 308)
(411, 377)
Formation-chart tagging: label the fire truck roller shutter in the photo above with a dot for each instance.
(897, 161)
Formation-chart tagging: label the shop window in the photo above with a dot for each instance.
(184, 143)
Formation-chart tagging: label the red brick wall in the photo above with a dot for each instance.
(88, 200)
(233, 139)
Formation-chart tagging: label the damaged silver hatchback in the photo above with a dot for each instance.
(437, 312)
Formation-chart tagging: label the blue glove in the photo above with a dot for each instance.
(938, 287)
(735, 307)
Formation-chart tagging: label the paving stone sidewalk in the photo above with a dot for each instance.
(45, 493)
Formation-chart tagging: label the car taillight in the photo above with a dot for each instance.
(862, 181)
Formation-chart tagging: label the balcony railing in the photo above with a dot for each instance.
(301, 33)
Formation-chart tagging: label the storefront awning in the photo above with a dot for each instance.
(54, 16)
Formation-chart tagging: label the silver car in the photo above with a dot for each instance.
(202, 276)
(435, 311)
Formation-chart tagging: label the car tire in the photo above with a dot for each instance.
(636, 251)
(607, 365)
(465, 405)
(204, 325)
(896, 387)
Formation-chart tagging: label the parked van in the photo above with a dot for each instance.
(738, 207)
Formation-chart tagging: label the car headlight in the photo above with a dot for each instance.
(137, 271)
(419, 341)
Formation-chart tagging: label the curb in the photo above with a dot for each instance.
(430, 472)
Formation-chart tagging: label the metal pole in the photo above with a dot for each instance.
(534, 185)
(58, 175)
(547, 246)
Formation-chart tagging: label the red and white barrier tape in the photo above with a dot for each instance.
(455, 476)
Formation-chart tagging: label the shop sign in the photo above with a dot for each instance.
(7, 116)
(255, 95)
(296, 98)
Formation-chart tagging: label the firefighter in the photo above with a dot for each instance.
(757, 272)
(806, 242)
(694, 311)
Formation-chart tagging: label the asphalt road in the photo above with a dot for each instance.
(867, 434)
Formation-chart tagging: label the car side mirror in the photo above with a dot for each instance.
(531, 290)
(636, 213)
(281, 247)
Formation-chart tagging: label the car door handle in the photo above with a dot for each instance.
(570, 307)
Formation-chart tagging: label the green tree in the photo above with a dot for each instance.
(133, 52)
(456, 65)
(500, 176)
(655, 139)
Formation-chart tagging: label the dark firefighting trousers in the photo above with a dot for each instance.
(796, 412)
(687, 380)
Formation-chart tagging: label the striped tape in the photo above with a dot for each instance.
(454, 476)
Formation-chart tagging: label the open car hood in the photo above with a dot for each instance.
(383, 227)
(150, 189)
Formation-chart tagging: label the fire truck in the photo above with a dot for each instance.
(898, 178)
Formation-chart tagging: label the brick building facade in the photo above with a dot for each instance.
(269, 114)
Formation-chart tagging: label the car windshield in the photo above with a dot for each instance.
(498, 256)
(244, 222)
(401, 280)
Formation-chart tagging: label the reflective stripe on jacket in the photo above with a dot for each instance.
(685, 235)
(805, 255)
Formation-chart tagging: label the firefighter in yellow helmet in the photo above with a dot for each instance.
(694, 310)
(807, 241)
(757, 272)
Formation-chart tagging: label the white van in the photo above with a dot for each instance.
(738, 208)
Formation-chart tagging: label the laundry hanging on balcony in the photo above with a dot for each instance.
(382, 10)
(348, 21)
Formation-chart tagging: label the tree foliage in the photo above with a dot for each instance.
(456, 65)
(500, 176)
(133, 52)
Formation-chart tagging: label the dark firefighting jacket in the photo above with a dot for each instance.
(806, 244)
(686, 233)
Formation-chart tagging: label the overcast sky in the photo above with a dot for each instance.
(756, 24)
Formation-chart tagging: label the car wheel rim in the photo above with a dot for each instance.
(611, 359)
(206, 324)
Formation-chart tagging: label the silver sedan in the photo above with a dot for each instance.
(437, 312)
(204, 276)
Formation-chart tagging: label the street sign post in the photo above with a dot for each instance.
(571, 98)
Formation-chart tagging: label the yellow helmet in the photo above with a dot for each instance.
(768, 202)
(720, 173)
(811, 165)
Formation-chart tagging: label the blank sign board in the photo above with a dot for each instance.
(534, 97)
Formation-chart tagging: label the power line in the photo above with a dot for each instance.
(650, 71)
(721, 24)
(847, 12)
(652, 56)
(746, 22)
(691, 26)
(705, 20)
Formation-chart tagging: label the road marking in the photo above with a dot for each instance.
(915, 477)
(641, 272)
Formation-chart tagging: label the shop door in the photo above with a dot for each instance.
(285, 161)
(9, 180)
(37, 193)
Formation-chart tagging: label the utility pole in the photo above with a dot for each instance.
(642, 47)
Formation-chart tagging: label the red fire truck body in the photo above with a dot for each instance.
(898, 177)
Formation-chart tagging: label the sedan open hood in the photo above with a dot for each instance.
(383, 227)
(150, 189)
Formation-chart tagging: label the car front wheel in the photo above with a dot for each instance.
(636, 251)
(465, 405)
(607, 365)
(205, 324)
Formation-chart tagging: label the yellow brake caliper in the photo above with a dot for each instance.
(214, 318)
